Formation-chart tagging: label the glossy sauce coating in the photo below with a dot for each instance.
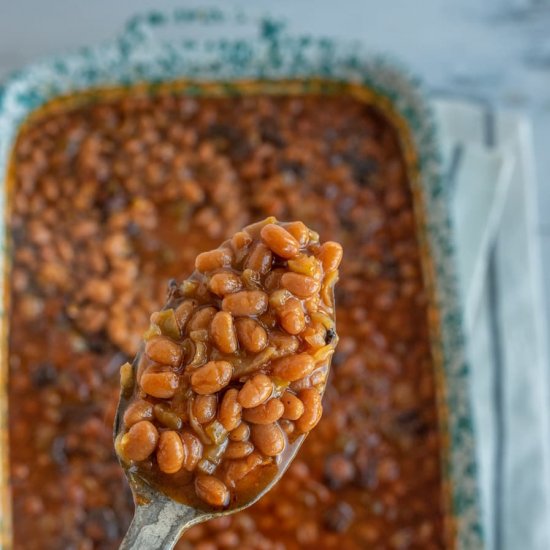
(103, 197)
(188, 367)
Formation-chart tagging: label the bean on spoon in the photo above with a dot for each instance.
(229, 380)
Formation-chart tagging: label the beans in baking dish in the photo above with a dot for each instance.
(104, 195)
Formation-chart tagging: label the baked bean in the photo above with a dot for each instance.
(268, 438)
(192, 451)
(221, 523)
(116, 246)
(184, 311)
(251, 335)
(240, 433)
(272, 280)
(315, 336)
(238, 449)
(170, 453)
(280, 241)
(164, 351)
(268, 320)
(330, 254)
(228, 539)
(238, 469)
(189, 288)
(241, 240)
(214, 259)
(308, 534)
(230, 410)
(284, 343)
(136, 411)
(251, 279)
(293, 407)
(200, 336)
(204, 408)
(300, 285)
(256, 390)
(167, 417)
(202, 318)
(139, 441)
(279, 297)
(245, 302)
(259, 259)
(212, 377)
(299, 231)
(212, 490)
(311, 304)
(293, 367)
(340, 470)
(223, 333)
(161, 384)
(267, 413)
(98, 290)
(291, 316)
(206, 466)
(313, 410)
(224, 283)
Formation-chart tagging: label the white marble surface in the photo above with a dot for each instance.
(496, 51)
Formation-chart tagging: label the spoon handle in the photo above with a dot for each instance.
(159, 524)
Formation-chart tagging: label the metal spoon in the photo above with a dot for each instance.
(159, 521)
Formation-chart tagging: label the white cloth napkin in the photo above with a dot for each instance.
(489, 170)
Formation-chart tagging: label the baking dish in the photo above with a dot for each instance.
(278, 63)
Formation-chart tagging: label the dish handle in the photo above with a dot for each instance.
(196, 29)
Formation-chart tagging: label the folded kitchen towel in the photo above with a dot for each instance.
(488, 168)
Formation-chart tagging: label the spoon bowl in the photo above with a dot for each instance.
(159, 521)
(269, 373)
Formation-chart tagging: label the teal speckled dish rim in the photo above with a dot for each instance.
(139, 56)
